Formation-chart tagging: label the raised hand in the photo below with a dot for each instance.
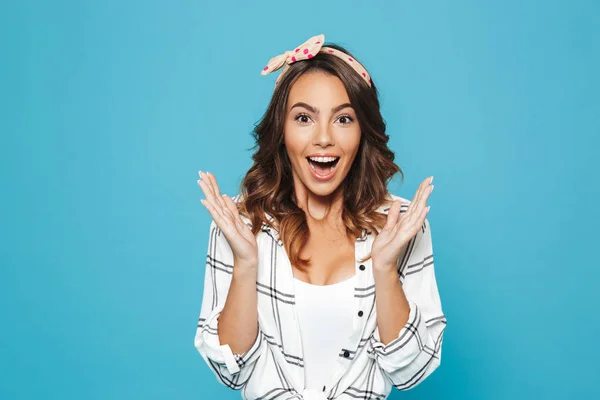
(399, 229)
(225, 214)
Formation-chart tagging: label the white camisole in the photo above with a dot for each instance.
(325, 316)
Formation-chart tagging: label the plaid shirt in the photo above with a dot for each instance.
(273, 367)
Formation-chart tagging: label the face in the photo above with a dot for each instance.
(321, 133)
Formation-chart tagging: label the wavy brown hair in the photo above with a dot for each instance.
(268, 186)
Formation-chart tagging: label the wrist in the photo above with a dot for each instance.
(384, 271)
(246, 262)
(380, 266)
(245, 267)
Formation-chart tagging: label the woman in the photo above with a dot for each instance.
(319, 283)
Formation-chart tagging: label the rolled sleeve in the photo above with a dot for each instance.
(407, 346)
(417, 350)
(208, 344)
(232, 369)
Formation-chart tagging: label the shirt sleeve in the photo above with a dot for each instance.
(416, 352)
(232, 370)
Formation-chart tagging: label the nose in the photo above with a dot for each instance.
(323, 136)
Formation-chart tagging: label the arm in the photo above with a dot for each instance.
(228, 335)
(412, 309)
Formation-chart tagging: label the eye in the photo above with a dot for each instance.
(345, 119)
(302, 118)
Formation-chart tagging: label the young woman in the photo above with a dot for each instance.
(320, 283)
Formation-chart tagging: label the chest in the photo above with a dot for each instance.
(283, 307)
(332, 259)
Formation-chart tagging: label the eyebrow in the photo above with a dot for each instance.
(316, 110)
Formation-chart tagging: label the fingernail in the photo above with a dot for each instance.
(432, 186)
(200, 174)
(431, 179)
(428, 208)
(202, 201)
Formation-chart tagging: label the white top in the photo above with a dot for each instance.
(325, 315)
(365, 367)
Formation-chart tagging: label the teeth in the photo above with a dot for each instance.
(323, 159)
(314, 169)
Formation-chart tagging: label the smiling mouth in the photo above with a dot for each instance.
(323, 168)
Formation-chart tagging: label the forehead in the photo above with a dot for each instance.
(318, 88)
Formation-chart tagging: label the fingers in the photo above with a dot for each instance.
(231, 212)
(232, 207)
(424, 213)
(208, 190)
(419, 221)
(215, 213)
(420, 199)
(417, 211)
(212, 181)
(423, 196)
(213, 198)
(422, 189)
(393, 214)
(210, 199)
(206, 186)
(212, 189)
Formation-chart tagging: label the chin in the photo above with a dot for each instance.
(323, 189)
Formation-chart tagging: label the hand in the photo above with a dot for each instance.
(225, 214)
(399, 229)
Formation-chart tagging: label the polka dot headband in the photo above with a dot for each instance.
(306, 51)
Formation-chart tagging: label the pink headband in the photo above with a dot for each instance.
(306, 51)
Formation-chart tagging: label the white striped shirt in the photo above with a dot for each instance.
(273, 367)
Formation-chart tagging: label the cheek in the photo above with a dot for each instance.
(294, 142)
(292, 148)
(351, 142)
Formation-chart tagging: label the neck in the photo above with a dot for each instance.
(325, 209)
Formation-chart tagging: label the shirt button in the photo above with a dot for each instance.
(362, 267)
(346, 354)
(360, 313)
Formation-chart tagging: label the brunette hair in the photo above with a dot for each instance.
(268, 186)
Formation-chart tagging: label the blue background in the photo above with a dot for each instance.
(110, 108)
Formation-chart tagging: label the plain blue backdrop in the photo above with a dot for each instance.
(110, 108)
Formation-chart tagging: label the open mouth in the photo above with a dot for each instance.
(323, 167)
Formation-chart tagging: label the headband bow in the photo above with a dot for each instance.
(308, 50)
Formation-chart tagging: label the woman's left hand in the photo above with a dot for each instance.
(399, 229)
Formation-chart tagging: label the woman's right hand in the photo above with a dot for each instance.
(225, 214)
